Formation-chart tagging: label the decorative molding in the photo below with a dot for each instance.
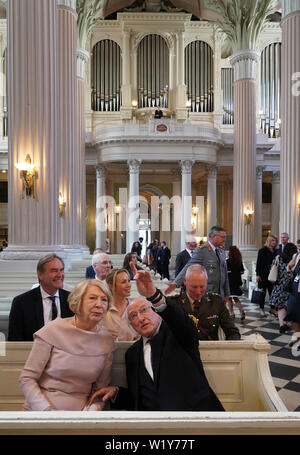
(276, 177)
(134, 166)
(259, 172)
(67, 3)
(244, 64)
(153, 17)
(100, 171)
(212, 172)
(186, 166)
(82, 60)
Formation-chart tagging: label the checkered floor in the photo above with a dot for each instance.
(284, 363)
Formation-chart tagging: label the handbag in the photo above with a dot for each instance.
(273, 274)
(258, 296)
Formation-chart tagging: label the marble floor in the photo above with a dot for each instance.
(284, 361)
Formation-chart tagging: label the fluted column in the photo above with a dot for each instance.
(258, 206)
(244, 170)
(33, 127)
(275, 203)
(82, 60)
(186, 200)
(101, 212)
(133, 204)
(69, 162)
(290, 118)
(176, 234)
(211, 209)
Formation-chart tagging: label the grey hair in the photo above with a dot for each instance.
(96, 257)
(195, 268)
(285, 233)
(45, 259)
(215, 230)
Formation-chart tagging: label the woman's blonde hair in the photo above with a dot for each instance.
(269, 240)
(76, 296)
(112, 276)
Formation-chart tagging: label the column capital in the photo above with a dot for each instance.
(134, 166)
(176, 175)
(100, 170)
(259, 171)
(186, 166)
(212, 171)
(276, 177)
(290, 7)
(244, 64)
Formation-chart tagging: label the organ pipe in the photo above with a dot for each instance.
(153, 71)
(227, 89)
(106, 76)
(270, 89)
(199, 76)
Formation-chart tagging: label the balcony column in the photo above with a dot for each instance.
(186, 200)
(211, 210)
(133, 203)
(275, 203)
(101, 212)
(258, 206)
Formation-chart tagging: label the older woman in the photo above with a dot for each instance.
(71, 357)
(263, 264)
(119, 283)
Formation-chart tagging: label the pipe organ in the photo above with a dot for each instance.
(153, 72)
(227, 93)
(106, 75)
(270, 89)
(199, 76)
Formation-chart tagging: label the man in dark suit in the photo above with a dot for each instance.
(185, 255)
(163, 260)
(90, 271)
(34, 309)
(164, 368)
(158, 113)
(284, 237)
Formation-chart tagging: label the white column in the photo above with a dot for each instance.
(82, 60)
(275, 203)
(290, 131)
(258, 206)
(176, 234)
(211, 209)
(69, 159)
(186, 199)
(101, 212)
(33, 128)
(244, 170)
(133, 204)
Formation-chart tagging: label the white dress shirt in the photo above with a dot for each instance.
(47, 305)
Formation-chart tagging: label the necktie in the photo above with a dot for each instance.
(218, 254)
(147, 358)
(196, 305)
(54, 309)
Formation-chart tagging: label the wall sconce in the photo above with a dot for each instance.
(248, 215)
(195, 210)
(27, 174)
(118, 209)
(61, 205)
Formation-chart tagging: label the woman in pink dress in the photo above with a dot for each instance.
(72, 357)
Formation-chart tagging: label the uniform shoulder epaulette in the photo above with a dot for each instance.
(214, 294)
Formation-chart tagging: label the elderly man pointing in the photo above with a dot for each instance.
(164, 368)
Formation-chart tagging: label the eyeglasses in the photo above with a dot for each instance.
(142, 311)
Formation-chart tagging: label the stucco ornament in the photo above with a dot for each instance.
(88, 12)
(242, 20)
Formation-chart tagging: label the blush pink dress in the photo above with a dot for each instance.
(65, 366)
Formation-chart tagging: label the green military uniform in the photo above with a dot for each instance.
(210, 315)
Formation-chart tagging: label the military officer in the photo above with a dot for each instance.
(207, 310)
(212, 256)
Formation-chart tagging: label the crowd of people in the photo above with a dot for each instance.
(74, 332)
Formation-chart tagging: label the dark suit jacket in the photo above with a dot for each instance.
(90, 272)
(182, 258)
(179, 377)
(26, 314)
(165, 256)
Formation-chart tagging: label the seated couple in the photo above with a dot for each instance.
(70, 362)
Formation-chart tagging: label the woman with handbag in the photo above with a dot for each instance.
(235, 270)
(280, 292)
(293, 303)
(263, 264)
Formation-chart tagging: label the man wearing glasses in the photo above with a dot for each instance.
(164, 369)
(212, 256)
